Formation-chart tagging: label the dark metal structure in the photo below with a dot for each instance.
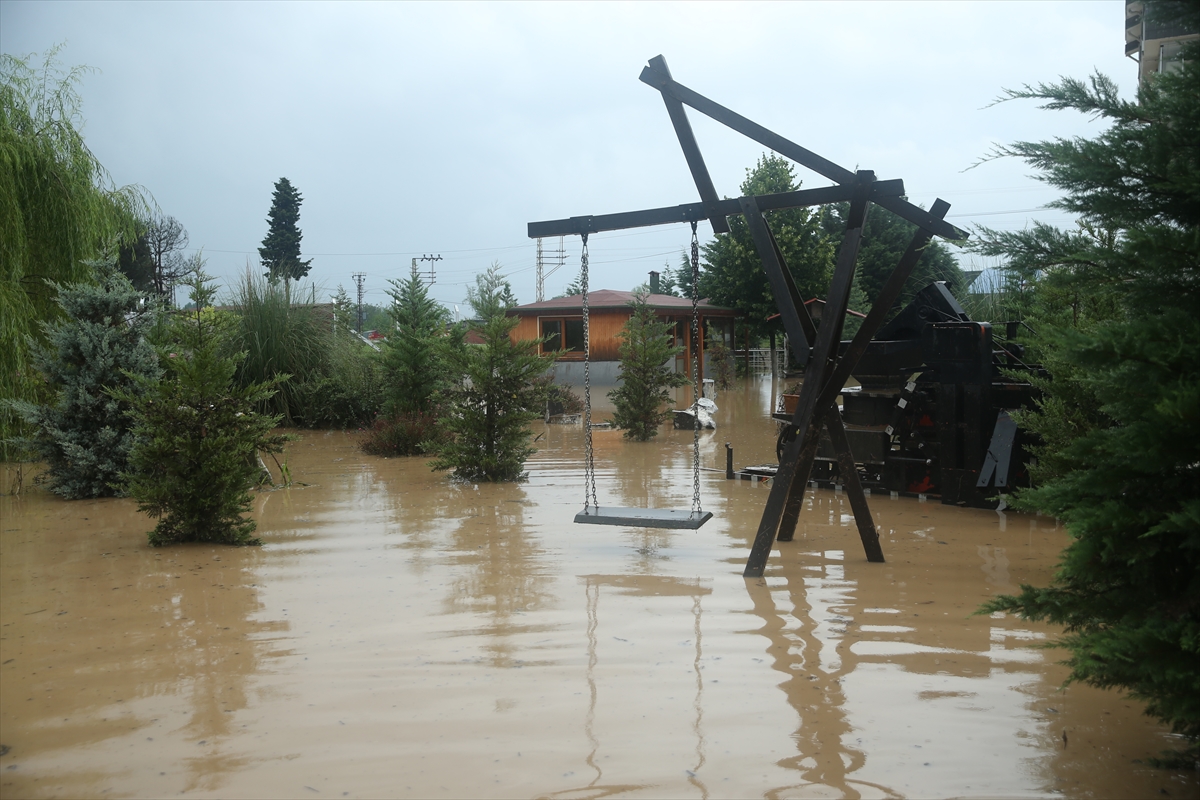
(931, 413)
(829, 365)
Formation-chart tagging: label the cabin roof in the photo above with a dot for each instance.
(611, 298)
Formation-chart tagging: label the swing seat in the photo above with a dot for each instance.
(643, 517)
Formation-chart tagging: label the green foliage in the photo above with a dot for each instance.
(886, 236)
(492, 294)
(280, 251)
(376, 318)
(560, 398)
(198, 434)
(721, 365)
(279, 339)
(486, 416)
(1118, 304)
(413, 362)
(733, 275)
(403, 434)
(84, 434)
(647, 361)
(58, 212)
(137, 265)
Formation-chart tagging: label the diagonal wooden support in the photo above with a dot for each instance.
(854, 490)
(691, 151)
(662, 81)
(787, 489)
(787, 298)
(799, 453)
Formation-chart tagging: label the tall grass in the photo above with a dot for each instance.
(280, 337)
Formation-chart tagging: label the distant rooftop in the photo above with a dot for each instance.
(611, 298)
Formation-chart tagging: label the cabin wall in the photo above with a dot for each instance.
(606, 325)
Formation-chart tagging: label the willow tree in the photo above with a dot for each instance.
(59, 210)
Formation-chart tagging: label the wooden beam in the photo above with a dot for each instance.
(803, 156)
(787, 490)
(691, 152)
(694, 212)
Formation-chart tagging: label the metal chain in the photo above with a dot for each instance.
(589, 468)
(696, 371)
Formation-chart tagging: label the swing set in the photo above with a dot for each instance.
(595, 514)
(828, 366)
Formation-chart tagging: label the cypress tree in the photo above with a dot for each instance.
(280, 251)
(1119, 304)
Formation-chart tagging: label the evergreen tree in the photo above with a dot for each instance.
(492, 293)
(1125, 478)
(885, 238)
(412, 357)
(136, 263)
(280, 251)
(84, 434)
(58, 210)
(647, 361)
(198, 434)
(732, 270)
(487, 414)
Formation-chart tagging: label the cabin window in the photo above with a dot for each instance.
(562, 333)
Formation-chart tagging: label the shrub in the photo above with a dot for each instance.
(406, 434)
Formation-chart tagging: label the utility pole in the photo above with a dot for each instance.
(360, 278)
(431, 278)
(557, 257)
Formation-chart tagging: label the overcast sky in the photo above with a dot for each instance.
(444, 128)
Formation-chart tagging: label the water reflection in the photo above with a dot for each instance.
(636, 586)
(106, 638)
(804, 646)
(505, 576)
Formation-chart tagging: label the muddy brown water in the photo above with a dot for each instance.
(404, 636)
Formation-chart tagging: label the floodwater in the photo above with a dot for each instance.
(404, 636)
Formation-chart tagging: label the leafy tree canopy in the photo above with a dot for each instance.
(280, 251)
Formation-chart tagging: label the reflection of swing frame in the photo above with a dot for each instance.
(816, 408)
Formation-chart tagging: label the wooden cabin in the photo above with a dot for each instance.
(560, 322)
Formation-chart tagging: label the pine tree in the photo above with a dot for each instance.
(412, 358)
(198, 434)
(647, 358)
(280, 251)
(1126, 479)
(84, 434)
(487, 414)
(733, 275)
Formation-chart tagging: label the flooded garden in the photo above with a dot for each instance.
(402, 635)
